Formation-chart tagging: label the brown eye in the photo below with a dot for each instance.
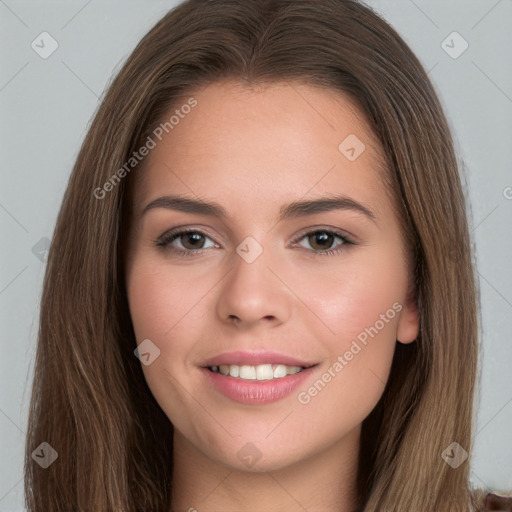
(192, 240)
(185, 242)
(321, 240)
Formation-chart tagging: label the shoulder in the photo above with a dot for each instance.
(495, 503)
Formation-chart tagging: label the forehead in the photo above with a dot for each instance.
(264, 144)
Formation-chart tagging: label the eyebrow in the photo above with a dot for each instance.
(289, 211)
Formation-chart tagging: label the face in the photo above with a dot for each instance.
(264, 246)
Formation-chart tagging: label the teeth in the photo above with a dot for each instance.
(246, 372)
(259, 372)
(264, 372)
(280, 371)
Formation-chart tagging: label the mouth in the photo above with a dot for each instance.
(256, 378)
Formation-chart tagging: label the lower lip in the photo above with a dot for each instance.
(256, 392)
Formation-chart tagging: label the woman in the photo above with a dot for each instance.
(260, 292)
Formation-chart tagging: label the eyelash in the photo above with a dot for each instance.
(166, 240)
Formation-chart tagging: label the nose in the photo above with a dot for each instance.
(252, 294)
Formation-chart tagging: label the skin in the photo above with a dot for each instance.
(254, 150)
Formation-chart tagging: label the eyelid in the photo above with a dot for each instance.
(165, 240)
(348, 238)
(170, 235)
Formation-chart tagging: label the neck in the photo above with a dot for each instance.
(324, 482)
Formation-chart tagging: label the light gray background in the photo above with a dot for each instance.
(45, 109)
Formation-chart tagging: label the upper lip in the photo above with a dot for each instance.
(240, 358)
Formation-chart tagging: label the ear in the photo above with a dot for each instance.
(409, 321)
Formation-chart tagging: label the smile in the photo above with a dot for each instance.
(255, 385)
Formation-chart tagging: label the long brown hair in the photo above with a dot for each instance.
(90, 401)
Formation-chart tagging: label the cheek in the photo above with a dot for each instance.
(355, 294)
(359, 305)
(161, 300)
(162, 310)
(161, 306)
(363, 318)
